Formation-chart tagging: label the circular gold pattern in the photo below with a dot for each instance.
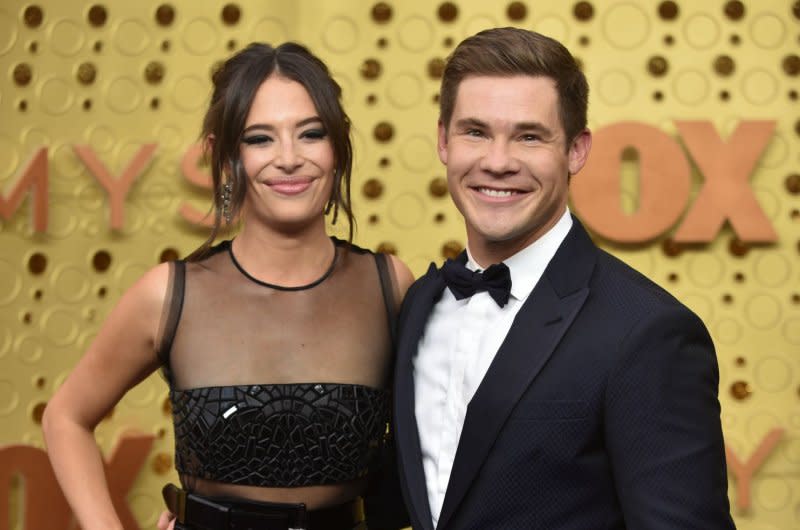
(796, 298)
(792, 183)
(22, 105)
(673, 277)
(231, 14)
(381, 12)
(231, 45)
(154, 72)
(727, 298)
(97, 15)
(161, 433)
(734, 10)
(436, 68)
(796, 9)
(22, 74)
(724, 95)
(668, 10)
(97, 46)
(435, 99)
(372, 99)
(165, 45)
(737, 247)
(87, 104)
(168, 254)
(516, 11)
(741, 390)
(657, 65)
(741, 361)
(40, 382)
(101, 292)
(584, 40)
(384, 162)
(451, 249)
(38, 412)
(724, 65)
(387, 248)
(447, 11)
(735, 39)
(669, 40)
(372, 189)
(792, 95)
(101, 260)
(87, 73)
(382, 42)
(791, 65)
(383, 131)
(37, 294)
(583, 11)
(37, 263)
(165, 15)
(373, 219)
(370, 69)
(162, 464)
(671, 248)
(166, 406)
(658, 95)
(447, 42)
(33, 47)
(739, 277)
(439, 218)
(438, 187)
(27, 318)
(33, 16)
(794, 215)
(155, 103)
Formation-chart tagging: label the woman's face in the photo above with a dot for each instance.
(287, 156)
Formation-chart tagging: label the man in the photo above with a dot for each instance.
(584, 398)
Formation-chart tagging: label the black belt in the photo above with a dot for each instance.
(238, 514)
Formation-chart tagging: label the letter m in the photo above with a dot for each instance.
(34, 178)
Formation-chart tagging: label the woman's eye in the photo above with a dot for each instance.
(256, 139)
(314, 134)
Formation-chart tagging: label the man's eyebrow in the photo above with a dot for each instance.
(470, 122)
(268, 127)
(532, 126)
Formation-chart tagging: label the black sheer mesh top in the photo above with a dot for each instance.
(274, 386)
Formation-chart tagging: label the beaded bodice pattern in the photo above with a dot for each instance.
(234, 349)
(292, 434)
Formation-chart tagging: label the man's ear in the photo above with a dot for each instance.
(579, 151)
(441, 144)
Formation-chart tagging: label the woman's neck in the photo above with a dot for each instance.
(282, 258)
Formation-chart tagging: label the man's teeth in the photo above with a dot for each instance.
(496, 193)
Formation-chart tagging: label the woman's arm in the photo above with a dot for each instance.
(122, 355)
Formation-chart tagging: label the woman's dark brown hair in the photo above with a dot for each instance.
(235, 85)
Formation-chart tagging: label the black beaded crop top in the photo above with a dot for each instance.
(277, 386)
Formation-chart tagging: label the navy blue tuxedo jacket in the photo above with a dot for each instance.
(599, 410)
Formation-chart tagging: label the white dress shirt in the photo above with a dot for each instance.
(459, 343)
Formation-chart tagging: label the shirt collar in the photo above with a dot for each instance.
(528, 265)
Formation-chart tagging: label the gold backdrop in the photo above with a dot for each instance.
(117, 76)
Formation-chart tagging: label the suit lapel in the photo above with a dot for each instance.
(414, 316)
(537, 329)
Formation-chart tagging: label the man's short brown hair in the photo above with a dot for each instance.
(512, 52)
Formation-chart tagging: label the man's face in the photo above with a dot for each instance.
(508, 161)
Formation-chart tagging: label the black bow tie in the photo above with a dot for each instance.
(463, 283)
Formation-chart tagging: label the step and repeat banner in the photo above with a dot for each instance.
(694, 179)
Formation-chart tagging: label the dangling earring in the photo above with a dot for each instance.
(225, 197)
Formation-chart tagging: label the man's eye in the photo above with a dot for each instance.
(256, 139)
(474, 132)
(529, 138)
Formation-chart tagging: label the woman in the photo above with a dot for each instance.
(276, 345)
